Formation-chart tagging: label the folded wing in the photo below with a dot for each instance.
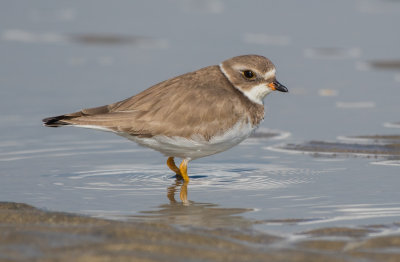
(175, 107)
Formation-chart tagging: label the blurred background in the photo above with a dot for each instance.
(58, 57)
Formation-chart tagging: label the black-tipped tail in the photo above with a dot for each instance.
(75, 118)
(56, 121)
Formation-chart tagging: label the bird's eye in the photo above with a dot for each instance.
(248, 74)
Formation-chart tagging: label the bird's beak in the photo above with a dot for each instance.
(278, 86)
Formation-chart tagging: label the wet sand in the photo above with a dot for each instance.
(385, 64)
(387, 146)
(30, 234)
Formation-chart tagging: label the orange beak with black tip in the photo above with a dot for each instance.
(276, 86)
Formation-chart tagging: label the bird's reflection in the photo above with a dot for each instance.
(190, 213)
(183, 191)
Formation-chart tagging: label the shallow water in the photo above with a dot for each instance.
(343, 78)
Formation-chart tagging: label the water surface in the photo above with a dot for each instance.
(338, 59)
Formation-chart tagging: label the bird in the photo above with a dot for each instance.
(189, 116)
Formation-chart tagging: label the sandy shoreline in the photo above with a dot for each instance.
(30, 234)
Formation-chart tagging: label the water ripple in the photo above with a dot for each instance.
(359, 211)
(219, 177)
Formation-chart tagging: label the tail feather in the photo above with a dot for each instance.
(63, 120)
(56, 121)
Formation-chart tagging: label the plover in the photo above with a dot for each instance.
(190, 116)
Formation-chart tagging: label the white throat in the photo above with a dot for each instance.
(257, 93)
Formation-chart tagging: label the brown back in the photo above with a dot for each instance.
(203, 102)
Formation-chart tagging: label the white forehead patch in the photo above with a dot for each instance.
(267, 75)
(270, 73)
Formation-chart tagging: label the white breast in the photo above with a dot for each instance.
(196, 146)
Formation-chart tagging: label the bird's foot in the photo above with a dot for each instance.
(183, 170)
(173, 167)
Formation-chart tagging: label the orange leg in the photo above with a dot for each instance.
(183, 170)
(172, 166)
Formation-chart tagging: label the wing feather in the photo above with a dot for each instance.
(203, 101)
